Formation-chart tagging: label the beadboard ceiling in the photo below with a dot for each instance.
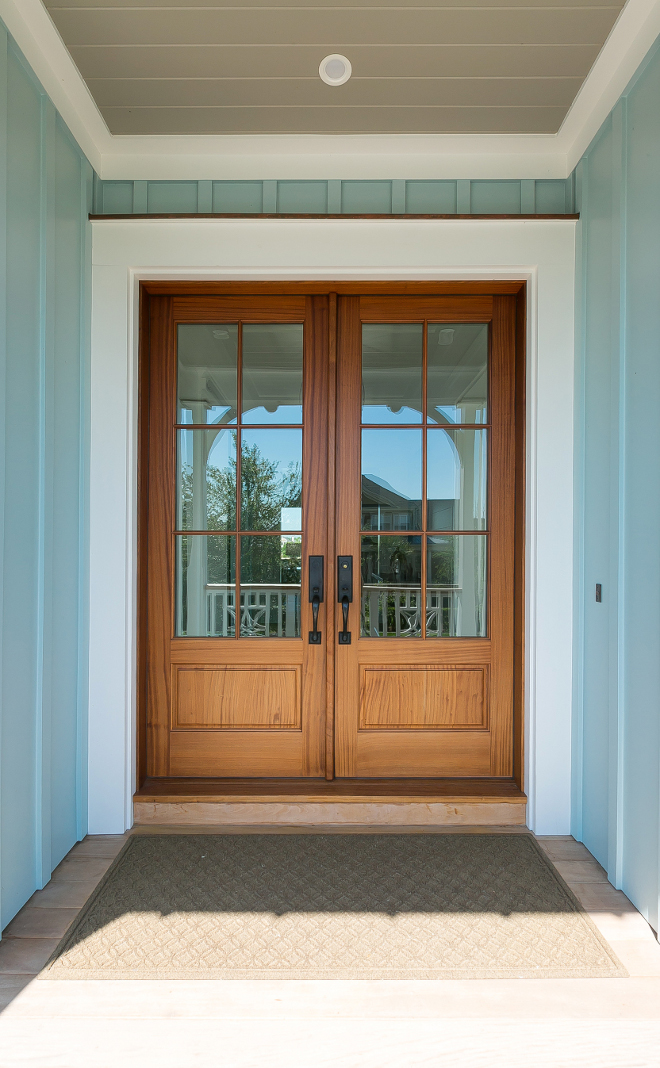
(251, 67)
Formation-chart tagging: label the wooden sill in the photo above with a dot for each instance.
(393, 791)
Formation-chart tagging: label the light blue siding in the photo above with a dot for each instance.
(313, 197)
(617, 739)
(46, 185)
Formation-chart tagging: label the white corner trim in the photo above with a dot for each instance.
(309, 156)
(35, 34)
(631, 37)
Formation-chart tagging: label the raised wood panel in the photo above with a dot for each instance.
(382, 308)
(238, 698)
(423, 698)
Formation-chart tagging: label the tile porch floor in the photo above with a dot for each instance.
(297, 1024)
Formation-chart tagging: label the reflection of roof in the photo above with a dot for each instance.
(376, 491)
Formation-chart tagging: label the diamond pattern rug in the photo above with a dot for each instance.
(332, 906)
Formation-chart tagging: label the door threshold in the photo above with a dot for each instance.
(393, 791)
(341, 802)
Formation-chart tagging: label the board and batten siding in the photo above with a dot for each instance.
(616, 804)
(46, 188)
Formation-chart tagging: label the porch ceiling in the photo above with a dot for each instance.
(251, 66)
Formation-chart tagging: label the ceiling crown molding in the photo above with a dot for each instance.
(309, 156)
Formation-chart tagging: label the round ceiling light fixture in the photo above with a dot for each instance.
(335, 69)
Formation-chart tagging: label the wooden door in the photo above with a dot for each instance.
(283, 427)
(237, 412)
(426, 513)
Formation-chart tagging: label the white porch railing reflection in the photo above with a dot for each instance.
(394, 611)
(268, 610)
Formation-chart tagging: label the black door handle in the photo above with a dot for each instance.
(315, 596)
(345, 594)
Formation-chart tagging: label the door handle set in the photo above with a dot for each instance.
(317, 595)
(345, 594)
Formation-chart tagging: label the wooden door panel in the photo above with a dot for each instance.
(424, 697)
(224, 704)
(425, 705)
(237, 698)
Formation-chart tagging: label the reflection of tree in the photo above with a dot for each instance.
(266, 489)
(442, 564)
(391, 561)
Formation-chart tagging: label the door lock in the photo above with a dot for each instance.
(345, 594)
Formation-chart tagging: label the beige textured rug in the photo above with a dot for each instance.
(319, 906)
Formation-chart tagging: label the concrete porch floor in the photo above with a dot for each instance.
(294, 1024)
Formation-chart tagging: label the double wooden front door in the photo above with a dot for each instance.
(330, 534)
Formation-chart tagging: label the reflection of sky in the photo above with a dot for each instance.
(395, 456)
(221, 451)
(443, 472)
(279, 446)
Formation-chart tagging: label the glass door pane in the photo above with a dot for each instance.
(239, 491)
(431, 484)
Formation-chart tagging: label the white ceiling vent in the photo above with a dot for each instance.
(335, 70)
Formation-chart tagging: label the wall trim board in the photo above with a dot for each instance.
(333, 156)
(126, 253)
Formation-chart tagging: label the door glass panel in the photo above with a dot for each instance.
(207, 361)
(270, 586)
(271, 479)
(391, 574)
(456, 586)
(457, 358)
(392, 372)
(206, 585)
(456, 479)
(391, 479)
(272, 373)
(206, 480)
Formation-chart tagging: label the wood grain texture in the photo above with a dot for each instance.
(423, 697)
(249, 698)
(374, 789)
(352, 815)
(381, 308)
(339, 286)
(225, 308)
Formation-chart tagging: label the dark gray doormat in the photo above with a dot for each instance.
(332, 906)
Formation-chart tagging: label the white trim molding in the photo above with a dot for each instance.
(309, 156)
(541, 253)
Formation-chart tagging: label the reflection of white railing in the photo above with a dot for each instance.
(394, 611)
(268, 610)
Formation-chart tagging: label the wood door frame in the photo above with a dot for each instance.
(149, 289)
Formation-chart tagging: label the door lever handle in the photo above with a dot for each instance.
(345, 594)
(315, 596)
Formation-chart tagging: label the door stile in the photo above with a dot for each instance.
(330, 599)
(349, 378)
(502, 526)
(315, 456)
(160, 563)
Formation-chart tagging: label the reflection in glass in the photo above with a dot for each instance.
(270, 586)
(391, 570)
(272, 372)
(392, 372)
(207, 358)
(457, 357)
(205, 585)
(271, 478)
(391, 479)
(206, 480)
(456, 479)
(456, 586)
